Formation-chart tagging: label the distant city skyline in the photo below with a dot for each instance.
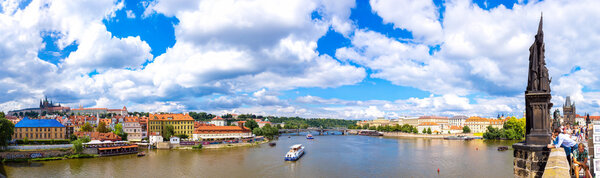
(329, 59)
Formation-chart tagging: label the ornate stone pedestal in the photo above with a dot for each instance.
(538, 124)
(530, 160)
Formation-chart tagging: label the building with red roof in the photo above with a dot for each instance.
(216, 133)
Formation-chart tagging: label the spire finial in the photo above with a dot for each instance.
(541, 23)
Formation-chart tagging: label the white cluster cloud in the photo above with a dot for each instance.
(419, 17)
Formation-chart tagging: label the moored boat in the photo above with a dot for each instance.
(309, 136)
(296, 151)
(140, 154)
(460, 137)
(370, 133)
(272, 144)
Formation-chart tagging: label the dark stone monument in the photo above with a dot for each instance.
(556, 120)
(537, 95)
(532, 155)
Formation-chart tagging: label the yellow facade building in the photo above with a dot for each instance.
(182, 124)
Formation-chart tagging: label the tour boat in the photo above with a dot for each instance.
(309, 136)
(460, 137)
(370, 133)
(295, 152)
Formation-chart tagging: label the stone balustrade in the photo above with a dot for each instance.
(557, 165)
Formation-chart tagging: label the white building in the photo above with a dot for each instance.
(429, 125)
(132, 127)
(218, 133)
(218, 121)
(175, 140)
(154, 139)
(457, 120)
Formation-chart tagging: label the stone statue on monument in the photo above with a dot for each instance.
(538, 117)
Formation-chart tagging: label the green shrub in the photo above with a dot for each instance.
(198, 146)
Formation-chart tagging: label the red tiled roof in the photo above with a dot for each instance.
(428, 124)
(476, 119)
(221, 129)
(174, 117)
(217, 118)
(454, 127)
(98, 135)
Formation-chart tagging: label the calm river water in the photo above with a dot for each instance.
(326, 156)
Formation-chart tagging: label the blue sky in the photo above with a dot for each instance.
(342, 59)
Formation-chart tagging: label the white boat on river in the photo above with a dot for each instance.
(295, 152)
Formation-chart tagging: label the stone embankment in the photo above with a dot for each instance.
(14, 155)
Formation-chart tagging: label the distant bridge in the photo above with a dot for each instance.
(343, 130)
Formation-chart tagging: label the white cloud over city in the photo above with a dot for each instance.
(246, 57)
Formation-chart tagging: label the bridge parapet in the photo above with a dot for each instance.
(557, 165)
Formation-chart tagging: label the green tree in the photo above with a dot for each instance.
(87, 127)
(257, 131)
(7, 128)
(77, 146)
(103, 128)
(517, 125)
(429, 130)
(424, 131)
(119, 131)
(251, 124)
(466, 129)
(414, 130)
(167, 131)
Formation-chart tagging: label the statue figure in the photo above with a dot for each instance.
(538, 79)
(539, 122)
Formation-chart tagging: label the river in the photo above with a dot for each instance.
(326, 156)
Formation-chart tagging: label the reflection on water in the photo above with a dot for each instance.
(326, 156)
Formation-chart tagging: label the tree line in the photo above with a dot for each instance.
(513, 129)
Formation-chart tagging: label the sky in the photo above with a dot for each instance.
(310, 58)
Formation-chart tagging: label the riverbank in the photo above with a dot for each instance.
(230, 145)
(41, 155)
(435, 136)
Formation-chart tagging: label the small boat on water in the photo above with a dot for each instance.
(296, 151)
(140, 154)
(502, 148)
(272, 144)
(460, 137)
(370, 133)
(309, 136)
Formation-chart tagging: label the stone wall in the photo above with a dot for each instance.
(530, 160)
(33, 154)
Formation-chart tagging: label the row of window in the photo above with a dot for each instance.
(41, 129)
(154, 127)
(37, 136)
(171, 122)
